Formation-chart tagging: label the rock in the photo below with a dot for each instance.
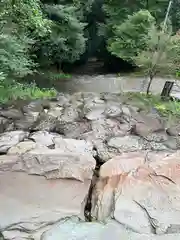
(10, 139)
(94, 111)
(104, 152)
(7, 162)
(55, 112)
(113, 110)
(11, 114)
(26, 123)
(4, 124)
(126, 111)
(146, 124)
(73, 228)
(57, 163)
(73, 145)
(103, 201)
(45, 122)
(106, 128)
(125, 144)
(30, 205)
(44, 138)
(36, 106)
(24, 147)
(70, 114)
(172, 143)
(63, 99)
(73, 130)
(173, 130)
(129, 189)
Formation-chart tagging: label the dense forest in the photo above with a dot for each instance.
(43, 33)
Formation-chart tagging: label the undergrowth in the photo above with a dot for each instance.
(166, 108)
(12, 90)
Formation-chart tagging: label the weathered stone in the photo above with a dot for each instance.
(57, 163)
(73, 145)
(73, 228)
(4, 124)
(113, 110)
(24, 147)
(173, 131)
(131, 189)
(63, 99)
(44, 138)
(125, 144)
(55, 112)
(106, 128)
(146, 124)
(73, 130)
(30, 204)
(70, 114)
(26, 123)
(11, 114)
(10, 139)
(45, 122)
(34, 106)
(94, 111)
(172, 143)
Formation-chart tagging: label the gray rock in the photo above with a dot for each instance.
(172, 143)
(57, 163)
(11, 114)
(146, 124)
(73, 229)
(4, 124)
(73, 130)
(24, 147)
(73, 145)
(30, 205)
(44, 138)
(70, 114)
(10, 139)
(125, 144)
(113, 110)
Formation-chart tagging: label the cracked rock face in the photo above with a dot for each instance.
(82, 154)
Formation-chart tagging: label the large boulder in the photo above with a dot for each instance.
(30, 203)
(73, 228)
(131, 189)
(57, 163)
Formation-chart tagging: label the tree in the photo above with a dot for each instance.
(160, 55)
(66, 41)
(130, 36)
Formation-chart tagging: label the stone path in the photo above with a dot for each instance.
(88, 156)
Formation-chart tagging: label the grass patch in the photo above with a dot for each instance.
(169, 109)
(13, 90)
(53, 76)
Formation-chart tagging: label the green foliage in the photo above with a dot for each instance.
(66, 41)
(14, 57)
(57, 76)
(161, 53)
(168, 109)
(130, 36)
(13, 90)
(25, 17)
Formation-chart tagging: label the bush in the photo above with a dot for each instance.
(14, 90)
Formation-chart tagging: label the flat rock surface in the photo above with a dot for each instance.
(28, 203)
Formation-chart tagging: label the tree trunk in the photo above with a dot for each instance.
(149, 84)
